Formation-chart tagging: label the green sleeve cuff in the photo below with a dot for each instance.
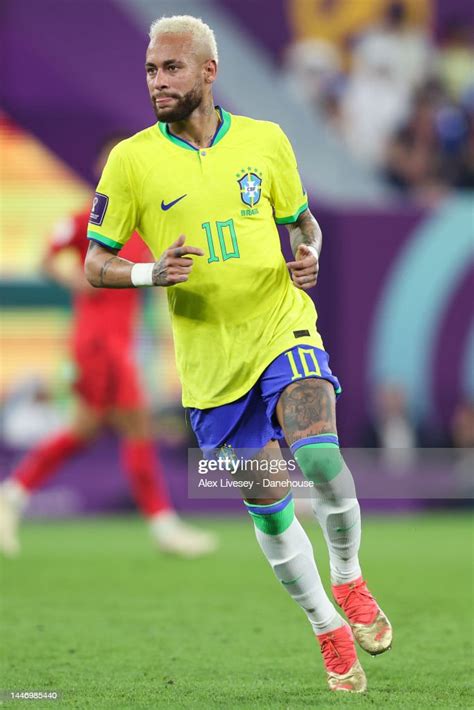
(292, 218)
(103, 240)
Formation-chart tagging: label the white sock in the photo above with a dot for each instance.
(291, 556)
(337, 510)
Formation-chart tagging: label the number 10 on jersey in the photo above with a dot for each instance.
(227, 241)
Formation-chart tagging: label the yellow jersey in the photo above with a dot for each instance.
(239, 309)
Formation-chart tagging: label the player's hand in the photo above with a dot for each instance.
(174, 267)
(304, 270)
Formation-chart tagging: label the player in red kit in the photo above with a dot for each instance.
(108, 392)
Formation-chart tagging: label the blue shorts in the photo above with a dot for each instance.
(250, 421)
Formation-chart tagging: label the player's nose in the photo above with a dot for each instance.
(159, 80)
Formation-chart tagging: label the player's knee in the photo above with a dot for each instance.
(275, 518)
(318, 457)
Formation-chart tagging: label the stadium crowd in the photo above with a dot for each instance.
(400, 99)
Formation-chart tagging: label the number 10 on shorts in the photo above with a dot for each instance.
(308, 362)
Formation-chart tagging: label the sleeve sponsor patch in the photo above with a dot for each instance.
(99, 208)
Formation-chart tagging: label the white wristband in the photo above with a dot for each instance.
(142, 274)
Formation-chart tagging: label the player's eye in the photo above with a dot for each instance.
(150, 70)
(172, 67)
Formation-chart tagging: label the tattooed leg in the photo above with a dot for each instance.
(307, 408)
(306, 413)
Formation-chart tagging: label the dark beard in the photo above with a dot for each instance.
(183, 108)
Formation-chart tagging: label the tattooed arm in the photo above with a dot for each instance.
(104, 269)
(306, 241)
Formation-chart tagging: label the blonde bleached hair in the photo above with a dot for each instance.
(187, 24)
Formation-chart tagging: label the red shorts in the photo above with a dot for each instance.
(107, 376)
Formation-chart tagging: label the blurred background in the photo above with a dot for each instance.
(377, 98)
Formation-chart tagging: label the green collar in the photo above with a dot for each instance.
(222, 129)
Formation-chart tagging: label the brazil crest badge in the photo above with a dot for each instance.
(250, 184)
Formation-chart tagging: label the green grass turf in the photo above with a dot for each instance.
(90, 610)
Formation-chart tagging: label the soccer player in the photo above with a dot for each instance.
(252, 364)
(108, 392)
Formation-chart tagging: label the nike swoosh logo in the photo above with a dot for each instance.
(291, 581)
(168, 206)
(346, 529)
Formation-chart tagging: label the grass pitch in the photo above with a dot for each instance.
(91, 611)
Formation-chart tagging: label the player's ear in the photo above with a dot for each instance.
(210, 71)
